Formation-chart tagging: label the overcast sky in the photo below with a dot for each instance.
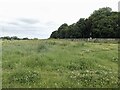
(38, 18)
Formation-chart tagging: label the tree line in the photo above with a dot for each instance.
(102, 23)
(16, 38)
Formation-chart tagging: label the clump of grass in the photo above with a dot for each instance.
(82, 64)
(96, 41)
(8, 65)
(115, 59)
(41, 47)
(78, 44)
(82, 44)
(24, 77)
(20, 53)
(52, 43)
(35, 61)
(63, 44)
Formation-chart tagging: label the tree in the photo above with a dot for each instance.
(81, 27)
(62, 30)
(25, 38)
(6, 38)
(54, 34)
(15, 38)
(102, 23)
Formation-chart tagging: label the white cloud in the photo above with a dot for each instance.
(46, 15)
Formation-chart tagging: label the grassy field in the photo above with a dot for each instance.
(59, 64)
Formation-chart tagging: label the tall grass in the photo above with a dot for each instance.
(60, 64)
(0, 64)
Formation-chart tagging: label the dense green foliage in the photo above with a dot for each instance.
(103, 23)
(59, 63)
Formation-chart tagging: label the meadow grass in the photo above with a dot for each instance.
(0, 64)
(59, 64)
